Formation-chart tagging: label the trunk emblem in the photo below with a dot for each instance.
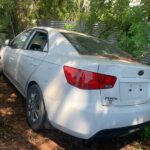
(141, 72)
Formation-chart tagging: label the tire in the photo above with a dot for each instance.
(35, 109)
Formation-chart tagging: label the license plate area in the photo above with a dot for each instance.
(134, 92)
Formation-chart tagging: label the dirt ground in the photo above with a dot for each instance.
(15, 133)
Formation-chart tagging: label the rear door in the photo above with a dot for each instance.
(31, 57)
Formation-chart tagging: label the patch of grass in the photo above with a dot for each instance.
(145, 134)
(140, 147)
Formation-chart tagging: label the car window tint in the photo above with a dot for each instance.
(38, 42)
(88, 45)
(20, 41)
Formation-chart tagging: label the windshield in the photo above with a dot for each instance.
(88, 45)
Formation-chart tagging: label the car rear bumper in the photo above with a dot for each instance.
(105, 121)
(111, 133)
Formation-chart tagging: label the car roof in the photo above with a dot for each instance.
(49, 29)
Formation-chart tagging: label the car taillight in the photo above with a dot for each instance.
(88, 80)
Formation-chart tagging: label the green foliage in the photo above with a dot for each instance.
(140, 147)
(15, 16)
(69, 26)
(145, 134)
(134, 32)
(131, 22)
(135, 40)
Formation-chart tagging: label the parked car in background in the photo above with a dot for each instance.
(80, 84)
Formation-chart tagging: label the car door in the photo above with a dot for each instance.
(12, 51)
(31, 57)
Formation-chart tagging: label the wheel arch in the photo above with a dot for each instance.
(45, 124)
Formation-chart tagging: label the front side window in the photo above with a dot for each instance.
(20, 41)
(38, 42)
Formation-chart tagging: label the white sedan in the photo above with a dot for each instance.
(80, 84)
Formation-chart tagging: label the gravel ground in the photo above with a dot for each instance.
(15, 133)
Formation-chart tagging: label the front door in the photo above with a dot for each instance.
(31, 57)
(12, 51)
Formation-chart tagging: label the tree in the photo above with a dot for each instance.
(16, 15)
(131, 22)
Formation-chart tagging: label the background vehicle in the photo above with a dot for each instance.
(82, 85)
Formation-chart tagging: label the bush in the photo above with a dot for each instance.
(145, 134)
(135, 41)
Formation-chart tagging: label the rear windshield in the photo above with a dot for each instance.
(88, 45)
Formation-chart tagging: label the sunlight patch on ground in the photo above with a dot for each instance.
(42, 142)
(6, 111)
(12, 98)
(13, 95)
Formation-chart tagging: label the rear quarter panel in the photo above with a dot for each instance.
(68, 108)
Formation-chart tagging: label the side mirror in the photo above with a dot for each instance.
(7, 42)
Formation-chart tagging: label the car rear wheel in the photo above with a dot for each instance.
(35, 110)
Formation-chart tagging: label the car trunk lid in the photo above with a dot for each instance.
(132, 85)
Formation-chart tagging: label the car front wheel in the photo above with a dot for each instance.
(35, 110)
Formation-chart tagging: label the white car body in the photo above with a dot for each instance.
(80, 112)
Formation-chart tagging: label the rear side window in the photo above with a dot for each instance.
(38, 42)
(88, 45)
